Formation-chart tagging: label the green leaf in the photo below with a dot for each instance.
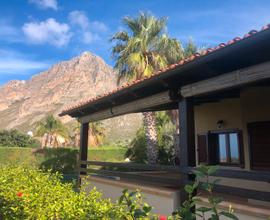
(217, 200)
(214, 217)
(139, 213)
(205, 186)
(196, 199)
(188, 189)
(212, 170)
(131, 194)
(198, 173)
(195, 185)
(229, 215)
(121, 199)
(203, 209)
(203, 169)
(147, 209)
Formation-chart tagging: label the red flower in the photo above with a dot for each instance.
(162, 217)
(19, 194)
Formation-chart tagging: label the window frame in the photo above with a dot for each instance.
(228, 146)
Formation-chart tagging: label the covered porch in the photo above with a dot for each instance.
(222, 96)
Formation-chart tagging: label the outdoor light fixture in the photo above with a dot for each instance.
(220, 123)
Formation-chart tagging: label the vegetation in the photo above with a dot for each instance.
(141, 50)
(188, 209)
(165, 142)
(50, 129)
(26, 193)
(50, 198)
(96, 133)
(63, 160)
(134, 205)
(166, 131)
(14, 138)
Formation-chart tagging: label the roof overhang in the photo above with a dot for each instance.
(240, 54)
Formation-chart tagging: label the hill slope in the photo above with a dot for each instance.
(22, 103)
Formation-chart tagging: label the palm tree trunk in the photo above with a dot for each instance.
(149, 120)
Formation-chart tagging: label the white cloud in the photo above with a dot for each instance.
(48, 31)
(90, 31)
(44, 4)
(79, 18)
(100, 26)
(15, 63)
(89, 37)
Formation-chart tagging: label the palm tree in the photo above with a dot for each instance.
(75, 134)
(96, 133)
(50, 129)
(139, 51)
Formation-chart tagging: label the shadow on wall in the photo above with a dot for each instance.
(62, 160)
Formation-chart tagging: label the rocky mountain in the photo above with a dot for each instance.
(23, 103)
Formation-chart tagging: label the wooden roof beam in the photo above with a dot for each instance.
(130, 107)
(228, 80)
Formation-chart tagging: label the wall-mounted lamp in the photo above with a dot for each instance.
(220, 123)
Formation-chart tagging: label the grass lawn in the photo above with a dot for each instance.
(57, 158)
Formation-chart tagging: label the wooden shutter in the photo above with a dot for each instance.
(202, 149)
(213, 149)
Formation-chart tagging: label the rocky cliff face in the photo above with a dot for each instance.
(22, 103)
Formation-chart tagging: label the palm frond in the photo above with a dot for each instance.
(120, 36)
(190, 48)
(51, 125)
(144, 47)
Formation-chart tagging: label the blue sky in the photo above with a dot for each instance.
(34, 34)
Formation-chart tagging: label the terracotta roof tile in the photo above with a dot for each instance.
(162, 71)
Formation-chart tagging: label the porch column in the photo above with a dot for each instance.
(83, 146)
(187, 139)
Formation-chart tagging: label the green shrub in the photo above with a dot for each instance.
(188, 209)
(14, 138)
(165, 132)
(133, 206)
(62, 160)
(26, 193)
(137, 151)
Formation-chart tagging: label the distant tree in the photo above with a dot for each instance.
(15, 138)
(50, 129)
(165, 133)
(75, 130)
(145, 47)
(190, 48)
(96, 133)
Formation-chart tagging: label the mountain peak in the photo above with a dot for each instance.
(84, 76)
(87, 53)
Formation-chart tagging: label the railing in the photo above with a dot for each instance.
(146, 173)
(139, 172)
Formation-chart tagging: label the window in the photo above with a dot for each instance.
(221, 147)
(228, 148)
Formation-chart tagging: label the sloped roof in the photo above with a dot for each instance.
(192, 58)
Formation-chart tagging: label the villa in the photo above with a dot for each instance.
(223, 98)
